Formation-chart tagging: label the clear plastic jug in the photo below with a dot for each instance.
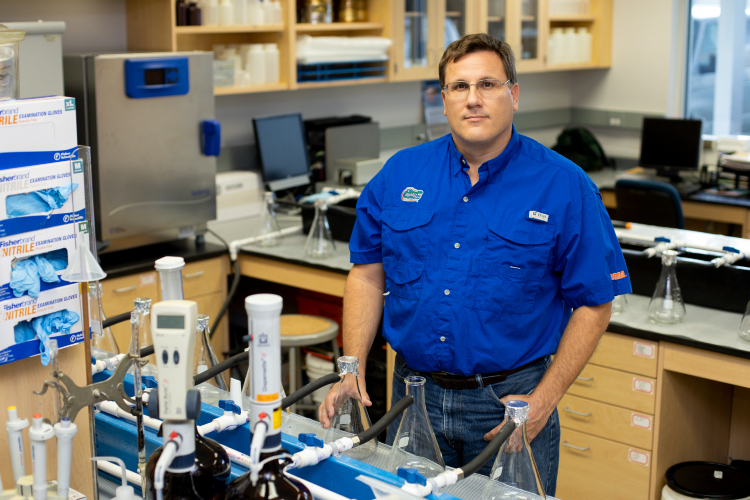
(9, 78)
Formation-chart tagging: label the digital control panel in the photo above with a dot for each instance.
(156, 77)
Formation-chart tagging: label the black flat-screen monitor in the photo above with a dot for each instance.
(282, 148)
(670, 145)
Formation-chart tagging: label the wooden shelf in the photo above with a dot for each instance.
(341, 83)
(528, 18)
(566, 67)
(453, 13)
(572, 18)
(232, 28)
(495, 19)
(251, 89)
(313, 28)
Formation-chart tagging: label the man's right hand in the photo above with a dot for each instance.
(328, 408)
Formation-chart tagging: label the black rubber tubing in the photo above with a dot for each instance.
(221, 367)
(384, 422)
(147, 351)
(309, 389)
(491, 450)
(116, 319)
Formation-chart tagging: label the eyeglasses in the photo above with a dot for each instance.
(486, 88)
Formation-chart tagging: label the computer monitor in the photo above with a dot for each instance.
(670, 146)
(284, 158)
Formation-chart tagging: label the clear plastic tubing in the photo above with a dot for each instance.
(64, 431)
(14, 426)
(170, 274)
(39, 434)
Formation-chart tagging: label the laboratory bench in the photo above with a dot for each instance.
(651, 396)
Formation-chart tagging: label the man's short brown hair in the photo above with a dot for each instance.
(477, 43)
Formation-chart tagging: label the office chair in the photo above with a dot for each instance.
(649, 202)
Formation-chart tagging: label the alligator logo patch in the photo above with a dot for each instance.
(411, 194)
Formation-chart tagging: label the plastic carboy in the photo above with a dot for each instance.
(351, 415)
(142, 306)
(619, 304)
(415, 445)
(666, 306)
(319, 242)
(210, 394)
(515, 465)
(744, 331)
(268, 227)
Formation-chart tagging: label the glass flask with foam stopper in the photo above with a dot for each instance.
(268, 227)
(666, 306)
(210, 394)
(415, 445)
(319, 242)
(351, 415)
(515, 465)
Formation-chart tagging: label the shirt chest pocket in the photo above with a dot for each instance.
(507, 277)
(406, 234)
(403, 278)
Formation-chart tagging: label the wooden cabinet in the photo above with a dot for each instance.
(118, 295)
(607, 423)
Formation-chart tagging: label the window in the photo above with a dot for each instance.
(718, 66)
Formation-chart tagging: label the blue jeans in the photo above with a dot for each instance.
(461, 418)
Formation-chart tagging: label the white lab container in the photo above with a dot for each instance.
(317, 368)
(568, 46)
(40, 67)
(554, 46)
(231, 54)
(585, 43)
(267, 12)
(271, 51)
(170, 275)
(254, 12)
(257, 64)
(240, 11)
(668, 493)
(226, 12)
(210, 12)
(277, 14)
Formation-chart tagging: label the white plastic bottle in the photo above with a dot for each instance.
(226, 12)
(254, 12)
(584, 41)
(277, 15)
(240, 11)
(210, 12)
(271, 51)
(267, 12)
(568, 46)
(257, 64)
(554, 54)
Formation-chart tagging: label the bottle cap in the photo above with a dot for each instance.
(668, 257)
(203, 322)
(169, 263)
(518, 411)
(348, 364)
(142, 305)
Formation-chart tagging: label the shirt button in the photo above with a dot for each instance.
(466, 198)
(442, 339)
(447, 292)
(463, 161)
(457, 245)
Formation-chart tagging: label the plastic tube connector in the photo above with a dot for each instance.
(256, 445)
(106, 364)
(64, 431)
(313, 455)
(39, 433)
(14, 426)
(124, 492)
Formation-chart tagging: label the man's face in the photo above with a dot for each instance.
(473, 119)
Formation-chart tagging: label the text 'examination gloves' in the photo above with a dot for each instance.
(44, 200)
(27, 274)
(44, 327)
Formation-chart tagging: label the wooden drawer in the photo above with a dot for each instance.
(607, 421)
(601, 469)
(202, 277)
(616, 387)
(118, 295)
(626, 353)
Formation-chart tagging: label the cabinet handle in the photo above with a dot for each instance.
(194, 275)
(585, 379)
(577, 412)
(565, 443)
(125, 289)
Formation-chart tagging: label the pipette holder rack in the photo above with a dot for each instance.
(23, 491)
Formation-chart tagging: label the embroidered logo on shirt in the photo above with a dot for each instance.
(411, 194)
(618, 275)
(538, 216)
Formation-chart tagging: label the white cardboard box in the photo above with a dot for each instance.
(25, 308)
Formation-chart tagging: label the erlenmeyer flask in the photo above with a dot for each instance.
(210, 394)
(415, 445)
(319, 242)
(142, 306)
(351, 415)
(268, 227)
(515, 465)
(666, 306)
(619, 305)
(103, 343)
(744, 330)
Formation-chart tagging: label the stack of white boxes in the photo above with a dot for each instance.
(37, 152)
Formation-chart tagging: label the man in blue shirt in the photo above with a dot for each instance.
(485, 253)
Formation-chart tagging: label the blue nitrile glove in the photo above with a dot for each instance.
(51, 262)
(44, 200)
(24, 277)
(43, 328)
(317, 196)
(23, 332)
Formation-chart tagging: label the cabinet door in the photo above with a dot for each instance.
(527, 30)
(417, 38)
(495, 19)
(117, 297)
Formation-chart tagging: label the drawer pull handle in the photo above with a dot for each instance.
(585, 379)
(194, 275)
(577, 412)
(565, 443)
(125, 289)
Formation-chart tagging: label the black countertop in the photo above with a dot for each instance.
(139, 260)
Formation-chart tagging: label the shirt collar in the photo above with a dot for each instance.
(494, 165)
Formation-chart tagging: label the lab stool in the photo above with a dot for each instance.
(299, 330)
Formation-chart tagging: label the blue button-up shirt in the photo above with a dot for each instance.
(484, 278)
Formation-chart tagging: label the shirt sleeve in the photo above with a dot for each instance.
(364, 245)
(591, 262)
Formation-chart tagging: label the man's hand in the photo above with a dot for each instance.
(328, 408)
(539, 412)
